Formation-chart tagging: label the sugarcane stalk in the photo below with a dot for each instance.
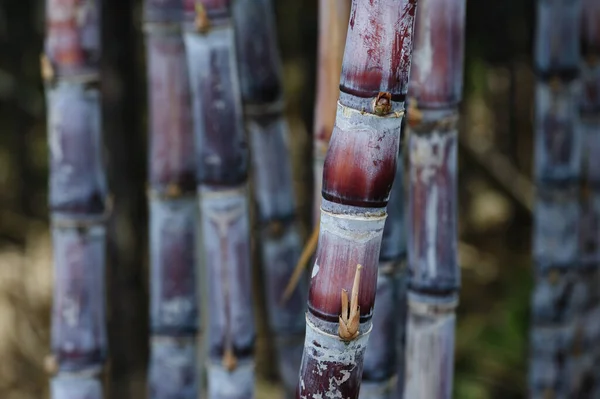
(77, 198)
(333, 26)
(435, 91)
(563, 283)
(280, 246)
(590, 211)
(358, 173)
(222, 173)
(383, 373)
(174, 314)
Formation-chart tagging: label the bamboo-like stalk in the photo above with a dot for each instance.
(333, 26)
(222, 173)
(77, 198)
(434, 277)
(280, 246)
(563, 290)
(383, 373)
(358, 173)
(173, 371)
(590, 212)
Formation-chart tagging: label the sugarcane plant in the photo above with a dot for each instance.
(563, 281)
(590, 220)
(280, 245)
(173, 371)
(435, 91)
(222, 173)
(358, 173)
(77, 198)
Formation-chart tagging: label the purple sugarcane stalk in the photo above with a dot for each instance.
(174, 314)
(77, 198)
(564, 292)
(222, 173)
(435, 92)
(383, 373)
(280, 245)
(590, 211)
(358, 173)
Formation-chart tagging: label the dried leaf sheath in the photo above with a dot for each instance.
(77, 198)
(434, 276)
(280, 246)
(358, 173)
(174, 316)
(222, 172)
(563, 290)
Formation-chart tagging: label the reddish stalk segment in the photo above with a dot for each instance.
(262, 94)
(174, 315)
(222, 172)
(333, 26)
(358, 173)
(434, 276)
(77, 197)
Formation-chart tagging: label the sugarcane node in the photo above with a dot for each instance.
(382, 105)
(555, 83)
(554, 277)
(201, 21)
(350, 318)
(548, 393)
(46, 68)
(275, 229)
(51, 364)
(414, 116)
(229, 360)
(173, 190)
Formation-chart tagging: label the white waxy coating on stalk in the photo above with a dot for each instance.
(75, 387)
(356, 228)
(429, 154)
(557, 131)
(430, 354)
(556, 224)
(378, 389)
(361, 131)
(225, 226)
(325, 348)
(236, 384)
(172, 233)
(271, 167)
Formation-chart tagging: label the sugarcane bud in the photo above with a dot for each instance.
(46, 68)
(173, 190)
(50, 364)
(229, 360)
(350, 318)
(414, 116)
(382, 104)
(202, 22)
